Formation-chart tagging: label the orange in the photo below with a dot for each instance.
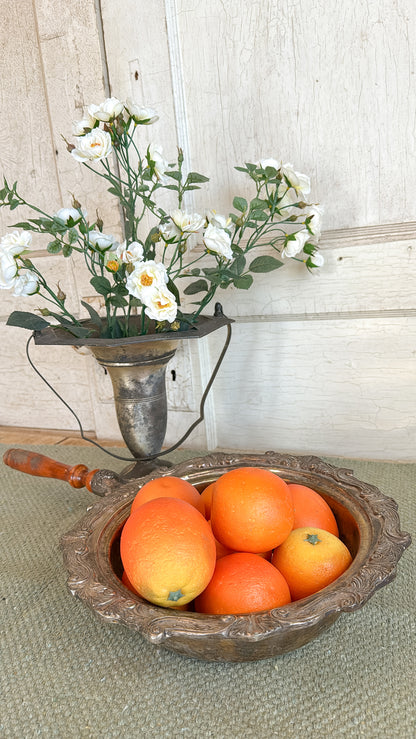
(310, 559)
(243, 583)
(252, 510)
(168, 551)
(125, 580)
(206, 496)
(266, 555)
(222, 550)
(168, 487)
(311, 509)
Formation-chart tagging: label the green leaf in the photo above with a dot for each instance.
(195, 271)
(258, 204)
(265, 264)
(101, 285)
(196, 287)
(54, 247)
(79, 331)
(30, 321)
(240, 204)
(172, 287)
(271, 172)
(244, 282)
(238, 265)
(242, 169)
(27, 263)
(23, 224)
(72, 235)
(95, 317)
(196, 177)
(120, 289)
(174, 174)
(114, 191)
(117, 301)
(258, 215)
(67, 250)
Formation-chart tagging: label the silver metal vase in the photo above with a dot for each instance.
(138, 374)
(137, 367)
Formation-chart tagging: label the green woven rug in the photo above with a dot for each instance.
(66, 674)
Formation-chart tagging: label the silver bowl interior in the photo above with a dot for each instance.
(368, 524)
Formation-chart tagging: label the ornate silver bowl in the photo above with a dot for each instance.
(368, 523)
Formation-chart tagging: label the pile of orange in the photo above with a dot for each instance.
(249, 542)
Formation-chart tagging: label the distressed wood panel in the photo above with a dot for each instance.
(374, 277)
(324, 85)
(139, 67)
(73, 67)
(333, 387)
(27, 400)
(26, 150)
(58, 272)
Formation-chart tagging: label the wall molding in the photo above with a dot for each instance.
(178, 90)
(328, 316)
(343, 237)
(367, 235)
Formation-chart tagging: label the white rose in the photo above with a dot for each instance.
(101, 241)
(218, 220)
(80, 128)
(145, 277)
(294, 246)
(263, 163)
(218, 241)
(160, 304)
(64, 214)
(187, 222)
(300, 182)
(106, 111)
(169, 231)
(140, 114)
(8, 270)
(155, 154)
(26, 283)
(317, 259)
(286, 197)
(16, 242)
(93, 146)
(315, 223)
(129, 254)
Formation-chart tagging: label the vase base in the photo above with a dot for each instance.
(141, 469)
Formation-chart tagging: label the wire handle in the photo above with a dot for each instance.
(153, 456)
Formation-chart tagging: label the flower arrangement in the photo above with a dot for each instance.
(146, 275)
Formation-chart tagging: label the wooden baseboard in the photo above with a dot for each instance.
(15, 435)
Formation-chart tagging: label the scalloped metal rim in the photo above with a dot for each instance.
(253, 636)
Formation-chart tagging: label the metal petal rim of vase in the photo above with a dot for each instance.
(368, 523)
(55, 335)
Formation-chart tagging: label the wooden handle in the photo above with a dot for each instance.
(41, 466)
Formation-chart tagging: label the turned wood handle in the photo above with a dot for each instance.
(41, 466)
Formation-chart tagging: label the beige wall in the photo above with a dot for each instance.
(318, 363)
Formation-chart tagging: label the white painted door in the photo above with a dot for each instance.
(318, 363)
